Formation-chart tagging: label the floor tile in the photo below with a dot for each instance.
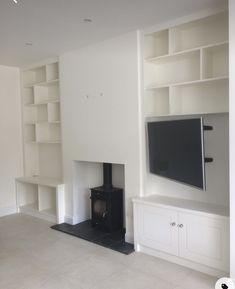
(33, 256)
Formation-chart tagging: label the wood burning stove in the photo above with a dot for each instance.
(107, 203)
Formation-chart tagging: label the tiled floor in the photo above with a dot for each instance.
(33, 256)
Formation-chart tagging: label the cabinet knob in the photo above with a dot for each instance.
(173, 224)
(180, 225)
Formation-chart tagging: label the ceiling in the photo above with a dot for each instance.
(33, 30)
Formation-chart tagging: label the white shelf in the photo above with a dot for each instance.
(44, 142)
(43, 83)
(44, 102)
(168, 115)
(38, 180)
(184, 204)
(225, 77)
(171, 56)
(43, 122)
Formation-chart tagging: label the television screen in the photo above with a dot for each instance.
(176, 150)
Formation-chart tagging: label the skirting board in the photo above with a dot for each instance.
(180, 261)
(5, 211)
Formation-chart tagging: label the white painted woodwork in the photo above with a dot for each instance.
(41, 192)
(41, 197)
(184, 229)
(186, 68)
(157, 228)
(204, 240)
(232, 133)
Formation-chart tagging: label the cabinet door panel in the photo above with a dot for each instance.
(155, 228)
(204, 240)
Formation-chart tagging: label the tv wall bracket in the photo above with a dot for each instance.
(207, 127)
(208, 160)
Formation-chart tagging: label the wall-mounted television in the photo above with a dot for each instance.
(176, 150)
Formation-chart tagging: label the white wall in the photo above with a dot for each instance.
(11, 142)
(232, 133)
(100, 113)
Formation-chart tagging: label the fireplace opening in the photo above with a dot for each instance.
(107, 203)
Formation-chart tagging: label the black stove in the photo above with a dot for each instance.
(107, 203)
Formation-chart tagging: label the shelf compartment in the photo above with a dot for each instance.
(55, 132)
(30, 133)
(204, 97)
(215, 61)
(27, 195)
(28, 95)
(35, 114)
(42, 132)
(48, 132)
(47, 199)
(53, 112)
(156, 44)
(212, 29)
(31, 154)
(50, 163)
(183, 67)
(156, 101)
(45, 94)
(34, 76)
(52, 71)
(41, 197)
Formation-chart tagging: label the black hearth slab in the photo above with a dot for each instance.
(84, 230)
(124, 247)
(106, 241)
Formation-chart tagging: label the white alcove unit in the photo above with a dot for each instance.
(42, 144)
(190, 66)
(41, 197)
(185, 70)
(172, 229)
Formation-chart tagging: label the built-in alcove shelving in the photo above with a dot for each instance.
(186, 68)
(40, 190)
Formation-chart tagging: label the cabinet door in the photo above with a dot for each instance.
(204, 240)
(157, 228)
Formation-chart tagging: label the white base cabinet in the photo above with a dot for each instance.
(41, 197)
(195, 236)
(204, 240)
(155, 228)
